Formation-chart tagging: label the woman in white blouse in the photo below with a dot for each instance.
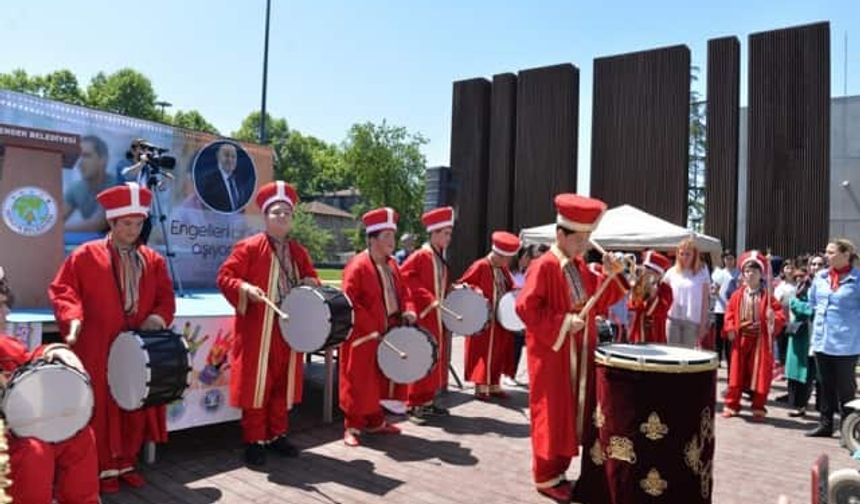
(690, 281)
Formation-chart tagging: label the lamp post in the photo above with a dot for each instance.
(163, 105)
(265, 75)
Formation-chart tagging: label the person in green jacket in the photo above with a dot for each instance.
(800, 367)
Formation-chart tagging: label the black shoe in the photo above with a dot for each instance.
(283, 447)
(437, 410)
(800, 412)
(416, 415)
(820, 431)
(255, 454)
(782, 398)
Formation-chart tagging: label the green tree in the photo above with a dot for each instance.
(313, 237)
(696, 158)
(388, 167)
(125, 92)
(277, 130)
(18, 80)
(61, 85)
(313, 165)
(193, 120)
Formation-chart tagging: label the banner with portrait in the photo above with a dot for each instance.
(204, 202)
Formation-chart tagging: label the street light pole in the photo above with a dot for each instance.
(265, 76)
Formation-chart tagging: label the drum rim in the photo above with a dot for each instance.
(653, 366)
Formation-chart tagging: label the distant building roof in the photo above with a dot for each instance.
(319, 208)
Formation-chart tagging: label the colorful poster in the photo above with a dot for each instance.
(206, 400)
(203, 204)
(28, 333)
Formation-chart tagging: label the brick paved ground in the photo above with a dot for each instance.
(480, 454)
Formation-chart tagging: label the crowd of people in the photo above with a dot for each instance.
(804, 324)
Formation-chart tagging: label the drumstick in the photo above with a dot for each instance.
(274, 307)
(597, 246)
(396, 350)
(593, 300)
(450, 312)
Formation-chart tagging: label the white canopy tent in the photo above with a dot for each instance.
(628, 228)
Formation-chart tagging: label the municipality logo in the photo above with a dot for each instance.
(29, 211)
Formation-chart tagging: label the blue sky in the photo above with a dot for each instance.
(336, 63)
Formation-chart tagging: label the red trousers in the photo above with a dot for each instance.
(67, 471)
(270, 421)
(549, 472)
(745, 375)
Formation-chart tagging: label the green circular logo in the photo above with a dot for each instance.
(29, 211)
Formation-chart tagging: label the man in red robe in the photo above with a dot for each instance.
(650, 300)
(561, 339)
(40, 471)
(753, 317)
(425, 272)
(488, 354)
(266, 375)
(106, 287)
(380, 301)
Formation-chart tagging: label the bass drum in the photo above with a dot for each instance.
(320, 317)
(506, 313)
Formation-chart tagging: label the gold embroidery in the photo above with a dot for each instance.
(707, 424)
(621, 448)
(707, 480)
(654, 429)
(599, 418)
(653, 484)
(693, 454)
(597, 455)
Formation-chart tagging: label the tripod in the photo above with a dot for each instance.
(152, 183)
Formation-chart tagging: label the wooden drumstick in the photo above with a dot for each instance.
(593, 300)
(274, 307)
(450, 312)
(396, 350)
(597, 246)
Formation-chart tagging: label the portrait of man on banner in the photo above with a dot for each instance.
(224, 177)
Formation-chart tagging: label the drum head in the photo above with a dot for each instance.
(128, 371)
(50, 402)
(661, 358)
(309, 324)
(420, 353)
(507, 313)
(471, 306)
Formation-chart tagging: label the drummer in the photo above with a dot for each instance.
(488, 354)
(650, 300)
(103, 288)
(561, 339)
(425, 273)
(41, 471)
(266, 375)
(380, 301)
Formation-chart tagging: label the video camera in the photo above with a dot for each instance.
(152, 155)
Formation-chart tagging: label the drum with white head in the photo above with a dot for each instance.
(465, 311)
(319, 317)
(406, 354)
(148, 368)
(506, 312)
(48, 401)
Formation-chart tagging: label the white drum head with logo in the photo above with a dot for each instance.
(128, 371)
(467, 311)
(420, 355)
(51, 402)
(309, 324)
(507, 313)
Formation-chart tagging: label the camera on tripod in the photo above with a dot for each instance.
(151, 160)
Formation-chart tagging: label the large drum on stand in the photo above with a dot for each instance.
(651, 435)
